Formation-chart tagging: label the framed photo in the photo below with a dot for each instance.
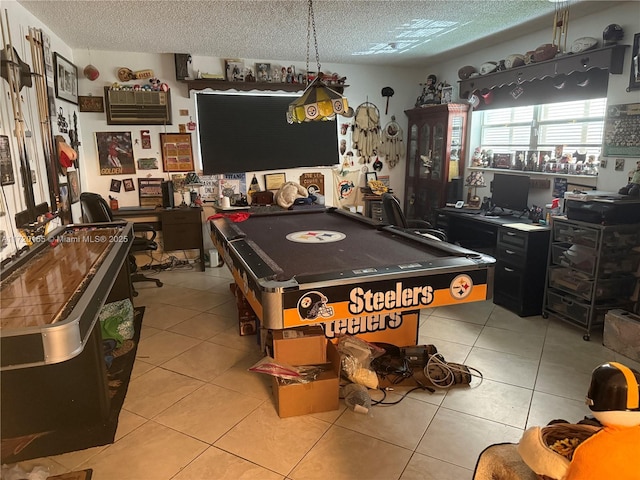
(447, 94)
(115, 153)
(116, 185)
(177, 152)
(620, 125)
(370, 176)
(273, 181)
(150, 191)
(66, 80)
(128, 185)
(65, 205)
(74, 185)
(150, 163)
(634, 76)
(263, 72)
(6, 166)
(91, 104)
(234, 70)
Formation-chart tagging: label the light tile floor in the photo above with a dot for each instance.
(194, 412)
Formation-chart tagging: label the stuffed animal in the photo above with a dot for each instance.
(633, 187)
(604, 448)
(289, 192)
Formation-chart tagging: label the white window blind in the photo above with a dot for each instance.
(576, 125)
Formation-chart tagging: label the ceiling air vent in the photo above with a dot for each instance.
(137, 107)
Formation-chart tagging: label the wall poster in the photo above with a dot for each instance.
(115, 153)
(621, 128)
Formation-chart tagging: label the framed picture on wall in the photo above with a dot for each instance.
(90, 103)
(74, 185)
(115, 153)
(273, 181)
(6, 166)
(177, 152)
(66, 79)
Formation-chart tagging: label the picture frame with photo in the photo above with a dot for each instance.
(65, 205)
(273, 181)
(7, 176)
(150, 192)
(128, 185)
(370, 176)
(89, 103)
(634, 71)
(263, 72)
(116, 185)
(115, 153)
(74, 185)
(234, 70)
(66, 79)
(177, 152)
(447, 94)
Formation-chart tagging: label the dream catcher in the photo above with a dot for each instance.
(366, 131)
(392, 144)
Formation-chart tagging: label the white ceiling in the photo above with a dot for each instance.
(348, 31)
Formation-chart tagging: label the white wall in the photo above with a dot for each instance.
(12, 201)
(365, 82)
(627, 15)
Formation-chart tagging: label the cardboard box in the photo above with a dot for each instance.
(320, 395)
(300, 346)
(622, 333)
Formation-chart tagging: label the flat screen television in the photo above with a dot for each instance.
(240, 133)
(510, 193)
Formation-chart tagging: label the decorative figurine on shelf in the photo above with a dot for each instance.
(604, 447)
(429, 92)
(633, 187)
(249, 76)
(476, 160)
(155, 83)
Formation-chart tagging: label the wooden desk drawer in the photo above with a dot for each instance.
(511, 255)
(179, 216)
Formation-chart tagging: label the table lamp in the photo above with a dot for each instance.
(192, 181)
(475, 180)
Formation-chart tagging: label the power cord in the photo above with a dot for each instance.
(451, 373)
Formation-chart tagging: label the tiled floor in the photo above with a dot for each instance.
(194, 412)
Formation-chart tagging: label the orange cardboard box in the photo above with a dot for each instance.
(300, 346)
(320, 395)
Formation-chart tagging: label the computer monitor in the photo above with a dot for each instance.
(510, 192)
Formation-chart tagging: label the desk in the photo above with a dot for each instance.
(181, 227)
(322, 266)
(51, 356)
(520, 247)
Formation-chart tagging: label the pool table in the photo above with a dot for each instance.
(325, 266)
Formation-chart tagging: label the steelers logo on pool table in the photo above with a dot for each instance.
(316, 236)
(461, 286)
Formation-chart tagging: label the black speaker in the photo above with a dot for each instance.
(167, 194)
(182, 65)
(454, 190)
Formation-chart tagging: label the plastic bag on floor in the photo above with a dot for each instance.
(16, 472)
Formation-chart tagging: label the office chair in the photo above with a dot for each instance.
(393, 215)
(96, 210)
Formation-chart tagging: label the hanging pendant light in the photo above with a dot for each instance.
(318, 102)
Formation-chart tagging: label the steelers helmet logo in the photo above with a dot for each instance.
(461, 287)
(313, 305)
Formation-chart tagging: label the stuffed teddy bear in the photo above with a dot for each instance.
(604, 448)
(633, 187)
(289, 192)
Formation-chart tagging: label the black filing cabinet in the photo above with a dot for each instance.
(521, 254)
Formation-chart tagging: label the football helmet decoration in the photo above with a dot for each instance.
(313, 305)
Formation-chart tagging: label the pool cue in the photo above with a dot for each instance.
(14, 91)
(37, 56)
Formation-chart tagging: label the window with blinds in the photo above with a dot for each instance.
(576, 125)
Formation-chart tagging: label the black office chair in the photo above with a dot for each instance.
(393, 215)
(96, 210)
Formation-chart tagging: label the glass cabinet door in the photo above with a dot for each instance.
(438, 152)
(425, 149)
(413, 157)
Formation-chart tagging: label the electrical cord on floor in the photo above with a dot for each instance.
(384, 395)
(450, 373)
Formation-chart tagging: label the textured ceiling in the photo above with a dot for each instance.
(400, 33)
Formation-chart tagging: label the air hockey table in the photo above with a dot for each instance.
(52, 367)
(344, 270)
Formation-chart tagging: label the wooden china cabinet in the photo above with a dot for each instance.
(435, 158)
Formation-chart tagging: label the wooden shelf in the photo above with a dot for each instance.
(202, 84)
(608, 58)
